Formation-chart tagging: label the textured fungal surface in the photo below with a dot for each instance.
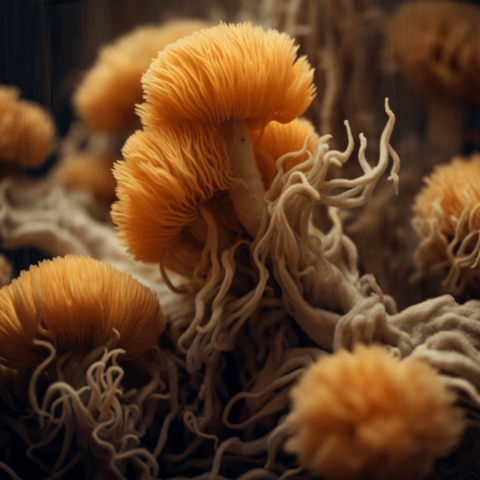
(76, 303)
(27, 130)
(394, 418)
(447, 223)
(260, 301)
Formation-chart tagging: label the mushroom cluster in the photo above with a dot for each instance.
(227, 325)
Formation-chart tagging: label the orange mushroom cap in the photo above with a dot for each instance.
(27, 130)
(277, 139)
(443, 200)
(166, 173)
(75, 303)
(434, 44)
(368, 413)
(106, 97)
(228, 71)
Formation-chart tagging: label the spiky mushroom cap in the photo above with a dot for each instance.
(368, 413)
(434, 44)
(106, 97)
(228, 71)
(27, 130)
(167, 172)
(75, 303)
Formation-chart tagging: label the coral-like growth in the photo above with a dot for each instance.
(447, 221)
(27, 130)
(106, 98)
(368, 413)
(75, 303)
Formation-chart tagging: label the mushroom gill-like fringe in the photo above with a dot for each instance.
(444, 197)
(277, 139)
(228, 71)
(75, 303)
(368, 413)
(106, 97)
(27, 130)
(166, 172)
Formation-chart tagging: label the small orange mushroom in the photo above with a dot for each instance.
(105, 99)
(236, 78)
(167, 172)
(434, 45)
(27, 130)
(75, 303)
(90, 171)
(367, 413)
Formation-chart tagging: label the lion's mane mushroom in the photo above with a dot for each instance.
(236, 78)
(167, 173)
(75, 303)
(434, 45)
(447, 222)
(69, 327)
(27, 131)
(89, 171)
(106, 97)
(369, 413)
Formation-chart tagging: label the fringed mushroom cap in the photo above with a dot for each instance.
(368, 413)
(75, 303)
(434, 44)
(447, 192)
(276, 140)
(228, 71)
(107, 95)
(27, 130)
(166, 173)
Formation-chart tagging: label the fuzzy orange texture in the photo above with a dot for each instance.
(166, 173)
(75, 303)
(446, 188)
(435, 45)
(106, 97)
(90, 171)
(228, 71)
(27, 130)
(368, 413)
(277, 139)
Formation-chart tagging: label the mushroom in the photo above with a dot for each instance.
(368, 413)
(89, 171)
(434, 45)
(106, 97)
(76, 304)
(236, 78)
(63, 326)
(447, 222)
(27, 131)
(168, 172)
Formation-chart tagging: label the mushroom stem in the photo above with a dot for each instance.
(445, 131)
(248, 199)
